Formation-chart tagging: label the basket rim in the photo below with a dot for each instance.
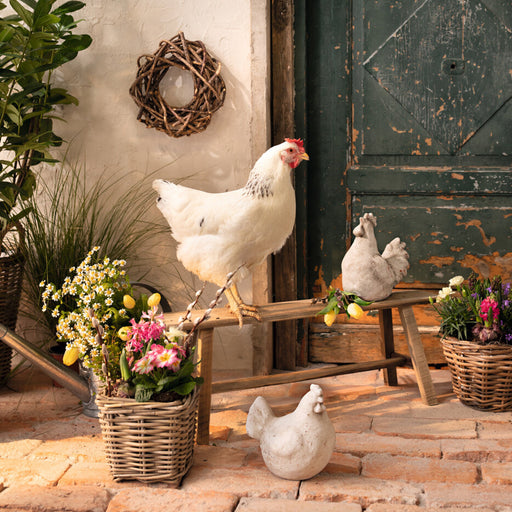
(450, 340)
(115, 402)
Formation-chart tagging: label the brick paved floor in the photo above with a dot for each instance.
(392, 454)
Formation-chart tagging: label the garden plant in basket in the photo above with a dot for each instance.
(479, 311)
(122, 339)
(148, 406)
(476, 329)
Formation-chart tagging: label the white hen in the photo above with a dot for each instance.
(224, 232)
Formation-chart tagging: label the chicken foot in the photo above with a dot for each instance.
(238, 307)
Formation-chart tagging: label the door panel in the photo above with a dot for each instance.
(432, 110)
(445, 64)
(406, 111)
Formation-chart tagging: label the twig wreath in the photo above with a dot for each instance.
(209, 87)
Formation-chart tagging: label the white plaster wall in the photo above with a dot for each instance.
(104, 131)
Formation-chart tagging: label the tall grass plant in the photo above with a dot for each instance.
(69, 216)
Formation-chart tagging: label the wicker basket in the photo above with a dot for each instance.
(11, 276)
(149, 441)
(481, 374)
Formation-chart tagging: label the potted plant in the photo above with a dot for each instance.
(34, 41)
(476, 329)
(147, 391)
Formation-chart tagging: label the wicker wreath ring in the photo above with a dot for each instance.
(209, 88)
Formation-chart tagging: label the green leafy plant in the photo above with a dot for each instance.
(34, 41)
(479, 311)
(122, 339)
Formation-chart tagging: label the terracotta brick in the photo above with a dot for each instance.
(364, 491)
(363, 444)
(266, 505)
(496, 429)
(219, 433)
(253, 482)
(459, 495)
(69, 427)
(31, 472)
(145, 499)
(19, 448)
(343, 463)
(235, 419)
(477, 450)
(214, 456)
(54, 499)
(255, 459)
(91, 474)
(418, 469)
(80, 448)
(384, 507)
(497, 473)
(424, 428)
(356, 423)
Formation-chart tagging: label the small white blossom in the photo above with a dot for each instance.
(456, 281)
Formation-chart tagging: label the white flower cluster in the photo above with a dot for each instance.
(446, 291)
(93, 286)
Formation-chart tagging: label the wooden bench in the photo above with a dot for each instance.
(294, 310)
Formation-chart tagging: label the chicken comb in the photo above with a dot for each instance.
(299, 143)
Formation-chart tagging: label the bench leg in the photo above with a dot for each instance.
(417, 352)
(205, 358)
(387, 345)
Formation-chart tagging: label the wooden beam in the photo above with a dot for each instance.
(305, 308)
(307, 374)
(387, 344)
(205, 358)
(285, 262)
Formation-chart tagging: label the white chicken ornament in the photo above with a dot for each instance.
(296, 446)
(221, 233)
(365, 271)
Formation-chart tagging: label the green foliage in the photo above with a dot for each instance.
(34, 42)
(180, 383)
(479, 311)
(339, 300)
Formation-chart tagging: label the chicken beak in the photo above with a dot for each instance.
(304, 156)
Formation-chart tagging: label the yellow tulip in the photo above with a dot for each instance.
(330, 317)
(70, 356)
(123, 333)
(128, 302)
(354, 310)
(154, 300)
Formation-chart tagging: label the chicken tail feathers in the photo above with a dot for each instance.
(259, 414)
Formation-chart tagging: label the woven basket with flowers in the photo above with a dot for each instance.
(476, 329)
(149, 399)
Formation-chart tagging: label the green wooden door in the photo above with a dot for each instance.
(406, 109)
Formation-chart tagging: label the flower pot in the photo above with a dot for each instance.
(91, 408)
(481, 374)
(149, 441)
(11, 276)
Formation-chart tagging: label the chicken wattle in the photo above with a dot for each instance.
(222, 233)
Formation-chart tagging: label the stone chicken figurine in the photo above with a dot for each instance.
(365, 271)
(296, 446)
